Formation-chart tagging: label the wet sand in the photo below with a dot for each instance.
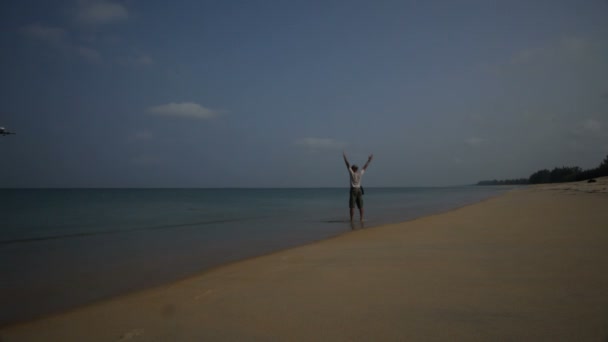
(530, 265)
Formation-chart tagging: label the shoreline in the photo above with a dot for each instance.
(31, 310)
(246, 278)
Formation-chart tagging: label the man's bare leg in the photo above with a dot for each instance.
(352, 213)
(360, 214)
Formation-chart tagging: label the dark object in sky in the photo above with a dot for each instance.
(3, 131)
(591, 181)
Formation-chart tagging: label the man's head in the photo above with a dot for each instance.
(354, 168)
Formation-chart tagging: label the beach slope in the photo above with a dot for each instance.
(530, 265)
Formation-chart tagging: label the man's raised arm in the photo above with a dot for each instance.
(346, 160)
(369, 160)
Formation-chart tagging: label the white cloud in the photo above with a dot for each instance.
(184, 110)
(59, 39)
(591, 125)
(54, 36)
(526, 55)
(142, 135)
(94, 12)
(81, 41)
(474, 141)
(89, 54)
(320, 143)
(588, 128)
(143, 60)
(588, 134)
(136, 60)
(567, 48)
(565, 52)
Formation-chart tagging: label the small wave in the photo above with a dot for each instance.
(119, 231)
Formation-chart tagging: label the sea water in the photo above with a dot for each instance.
(60, 248)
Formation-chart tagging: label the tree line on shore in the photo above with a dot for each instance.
(557, 175)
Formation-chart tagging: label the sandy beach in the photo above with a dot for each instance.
(530, 265)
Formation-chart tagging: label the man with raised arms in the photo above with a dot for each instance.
(356, 192)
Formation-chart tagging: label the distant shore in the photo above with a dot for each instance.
(527, 265)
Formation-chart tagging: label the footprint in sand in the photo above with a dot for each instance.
(129, 335)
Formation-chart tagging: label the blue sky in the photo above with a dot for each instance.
(268, 93)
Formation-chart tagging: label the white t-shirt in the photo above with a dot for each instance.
(355, 178)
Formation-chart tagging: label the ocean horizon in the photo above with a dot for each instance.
(62, 248)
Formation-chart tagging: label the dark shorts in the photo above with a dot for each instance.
(356, 197)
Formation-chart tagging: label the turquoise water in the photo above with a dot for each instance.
(60, 248)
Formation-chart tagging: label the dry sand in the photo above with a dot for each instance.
(531, 265)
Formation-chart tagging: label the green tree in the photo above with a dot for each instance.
(604, 164)
(539, 177)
